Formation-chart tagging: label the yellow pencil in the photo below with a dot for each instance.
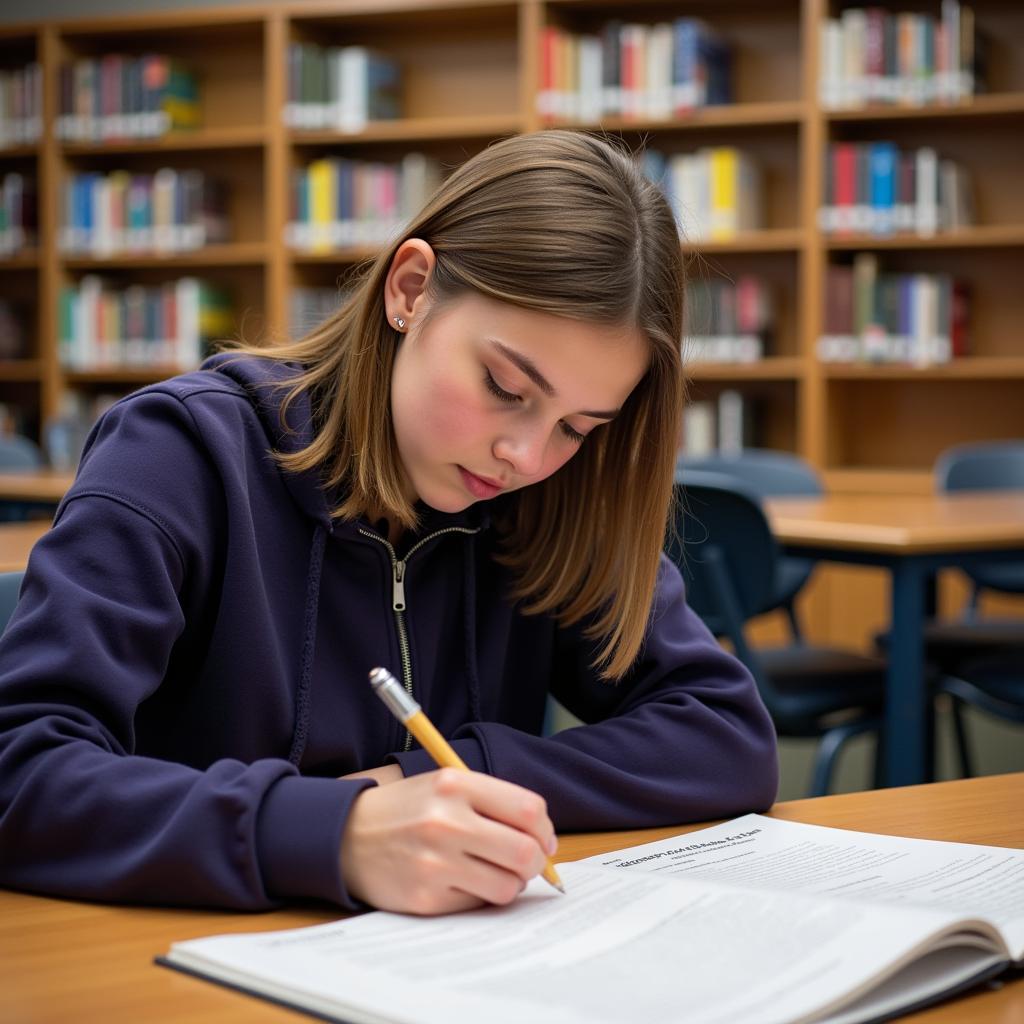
(411, 715)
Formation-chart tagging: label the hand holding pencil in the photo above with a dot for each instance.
(409, 713)
(438, 842)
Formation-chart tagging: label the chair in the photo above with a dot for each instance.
(769, 474)
(729, 558)
(981, 660)
(10, 590)
(18, 453)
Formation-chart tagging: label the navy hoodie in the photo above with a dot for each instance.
(186, 672)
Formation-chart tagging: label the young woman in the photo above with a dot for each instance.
(465, 475)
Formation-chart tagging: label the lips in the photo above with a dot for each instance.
(480, 487)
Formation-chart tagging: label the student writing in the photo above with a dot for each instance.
(466, 473)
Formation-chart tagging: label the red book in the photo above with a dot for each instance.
(548, 52)
(845, 177)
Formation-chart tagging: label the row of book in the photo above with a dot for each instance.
(340, 87)
(633, 70)
(168, 211)
(919, 319)
(337, 202)
(725, 424)
(167, 325)
(876, 187)
(309, 307)
(118, 97)
(18, 213)
(728, 321)
(871, 55)
(21, 105)
(715, 193)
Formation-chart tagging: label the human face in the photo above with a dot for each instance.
(488, 397)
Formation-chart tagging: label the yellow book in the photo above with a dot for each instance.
(323, 206)
(724, 174)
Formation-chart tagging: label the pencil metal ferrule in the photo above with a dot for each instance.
(394, 695)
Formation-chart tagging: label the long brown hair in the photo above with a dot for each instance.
(561, 222)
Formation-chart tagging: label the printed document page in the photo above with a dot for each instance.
(765, 853)
(618, 947)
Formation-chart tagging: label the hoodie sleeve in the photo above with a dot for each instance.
(683, 737)
(102, 605)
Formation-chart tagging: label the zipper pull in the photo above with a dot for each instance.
(398, 587)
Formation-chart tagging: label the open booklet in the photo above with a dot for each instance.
(756, 919)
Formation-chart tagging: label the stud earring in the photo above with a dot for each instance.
(398, 320)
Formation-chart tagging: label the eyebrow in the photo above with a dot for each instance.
(530, 369)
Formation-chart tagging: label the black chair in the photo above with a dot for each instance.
(729, 558)
(768, 473)
(980, 660)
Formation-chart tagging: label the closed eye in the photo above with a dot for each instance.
(507, 396)
(574, 435)
(497, 390)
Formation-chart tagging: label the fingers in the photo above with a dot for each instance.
(443, 842)
(503, 802)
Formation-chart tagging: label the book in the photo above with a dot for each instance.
(754, 919)
(874, 56)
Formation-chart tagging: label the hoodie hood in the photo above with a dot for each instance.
(266, 382)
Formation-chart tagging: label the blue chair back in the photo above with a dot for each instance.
(986, 466)
(770, 473)
(10, 591)
(17, 452)
(725, 549)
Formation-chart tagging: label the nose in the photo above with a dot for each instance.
(523, 451)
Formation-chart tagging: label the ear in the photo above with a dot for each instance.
(406, 283)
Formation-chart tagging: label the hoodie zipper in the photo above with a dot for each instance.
(398, 605)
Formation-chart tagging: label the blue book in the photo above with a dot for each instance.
(684, 65)
(884, 161)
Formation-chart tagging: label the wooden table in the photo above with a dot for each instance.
(16, 541)
(63, 961)
(912, 536)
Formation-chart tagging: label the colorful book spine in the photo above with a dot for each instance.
(875, 56)
(728, 321)
(116, 97)
(21, 105)
(342, 88)
(715, 193)
(337, 202)
(877, 317)
(169, 325)
(876, 188)
(632, 70)
(167, 211)
(724, 424)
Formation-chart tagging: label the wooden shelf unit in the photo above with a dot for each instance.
(470, 75)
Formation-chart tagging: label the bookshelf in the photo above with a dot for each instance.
(471, 72)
